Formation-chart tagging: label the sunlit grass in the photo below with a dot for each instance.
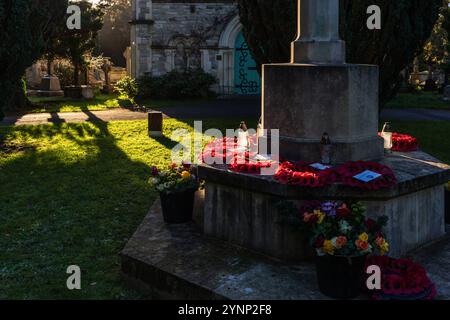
(62, 104)
(75, 196)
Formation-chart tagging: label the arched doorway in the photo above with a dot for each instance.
(237, 71)
(246, 77)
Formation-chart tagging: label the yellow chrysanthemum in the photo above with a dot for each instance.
(384, 248)
(328, 247)
(364, 237)
(320, 216)
(185, 175)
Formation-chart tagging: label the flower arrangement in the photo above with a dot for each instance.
(175, 179)
(402, 279)
(347, 172)
(341, 229)
(302, 174)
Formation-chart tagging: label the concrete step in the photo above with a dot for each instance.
(178, 262)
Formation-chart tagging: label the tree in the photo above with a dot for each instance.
(26, 27)
(270, 26)
(437, 49)
(114, 37)
(76, 44)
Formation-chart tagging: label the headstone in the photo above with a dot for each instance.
(446, 96)
(50, 86)
(87, 92)
(155, 124)
(318, 92)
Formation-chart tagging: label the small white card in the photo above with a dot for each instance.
(320, 166)
(367, 176)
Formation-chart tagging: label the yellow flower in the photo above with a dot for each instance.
(384, 248)
(320, 216)
(328, 247)
(364, 237)
(185, 175)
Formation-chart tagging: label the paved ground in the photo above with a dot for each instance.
(190, 266)
(243, 108)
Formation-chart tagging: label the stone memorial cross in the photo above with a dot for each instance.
(318, 38)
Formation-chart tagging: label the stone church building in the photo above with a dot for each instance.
(171, 35)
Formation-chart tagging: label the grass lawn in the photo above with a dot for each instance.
(62, 104)
(433, 136)
(420, 100)
(74, 193)
(99, 103)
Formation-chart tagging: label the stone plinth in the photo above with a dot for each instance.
(50, 87)
(303, 101)
(241, 208)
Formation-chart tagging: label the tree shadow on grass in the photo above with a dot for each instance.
(76, 199)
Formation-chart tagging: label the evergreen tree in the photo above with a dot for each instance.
(76, 44)
(270, 26)
(26, 27)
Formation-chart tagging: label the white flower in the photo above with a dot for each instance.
(155, 181)
(344, 226)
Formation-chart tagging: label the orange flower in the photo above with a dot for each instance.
(362, 245)
(341, 242)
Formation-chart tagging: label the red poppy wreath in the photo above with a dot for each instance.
(302, 174)
(404, 143)
(348, 171)
(402, 279)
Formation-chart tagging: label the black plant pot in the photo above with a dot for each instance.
(178, 207)
(340, 277)
(447, 206)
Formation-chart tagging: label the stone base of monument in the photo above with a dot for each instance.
(179, 262)
(241, 208)
(304, 100)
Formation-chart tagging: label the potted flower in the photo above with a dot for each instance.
(176, 186)
(342, 237)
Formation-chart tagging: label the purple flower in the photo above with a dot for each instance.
(329, 208)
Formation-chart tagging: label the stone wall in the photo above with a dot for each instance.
(168, 35)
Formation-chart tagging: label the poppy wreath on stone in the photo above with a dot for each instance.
(250, 167)
(347, 172)
(403, 143)
(401, 279)
(224, 149)
(302, 174)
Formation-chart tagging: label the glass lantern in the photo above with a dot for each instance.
(386, 134)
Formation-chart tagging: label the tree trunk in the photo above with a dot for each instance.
(76, 74)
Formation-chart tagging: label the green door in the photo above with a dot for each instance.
(246, 76)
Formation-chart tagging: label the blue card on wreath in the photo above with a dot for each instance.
(367, 176)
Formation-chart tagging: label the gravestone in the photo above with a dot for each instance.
(155, 124)
(50, 85)
(446, 96)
